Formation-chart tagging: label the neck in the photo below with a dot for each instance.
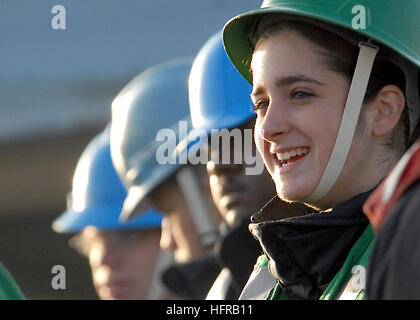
(368, 176)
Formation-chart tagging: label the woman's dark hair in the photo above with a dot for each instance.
(341, 56)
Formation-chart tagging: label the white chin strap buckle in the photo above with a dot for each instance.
(349, 121)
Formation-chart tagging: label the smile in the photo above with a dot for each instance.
(285, 158)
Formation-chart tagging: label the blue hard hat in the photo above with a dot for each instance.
(219, 96)
(98, 194)
(154, 101)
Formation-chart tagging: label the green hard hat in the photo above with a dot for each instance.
(394, 24)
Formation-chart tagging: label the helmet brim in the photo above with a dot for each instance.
(136, 201)
(105, 218)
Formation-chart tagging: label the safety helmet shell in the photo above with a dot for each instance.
(155, 99)
(219, 96)
(98, 194)
(393, 24)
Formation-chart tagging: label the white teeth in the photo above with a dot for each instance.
(283, 156)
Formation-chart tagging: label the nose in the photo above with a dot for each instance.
(167, 241)
(222, 184)
(274, 124)
(219, 168)
(226, 157)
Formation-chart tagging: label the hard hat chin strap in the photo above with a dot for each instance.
(191, 190)
(349, 121)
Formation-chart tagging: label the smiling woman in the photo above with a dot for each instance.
(336, 108)
(300, 104)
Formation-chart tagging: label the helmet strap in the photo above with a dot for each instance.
(353, 106)
(191, 191)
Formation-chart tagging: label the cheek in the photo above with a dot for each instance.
(259, 141)
(262, 145)
(145, 254)
(215, 188)
(181, 227)
(325, 136)
(95, 256)
(186, 231)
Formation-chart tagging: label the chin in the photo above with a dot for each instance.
(239, 213)
(293, 193)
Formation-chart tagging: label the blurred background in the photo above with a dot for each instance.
(56, 89)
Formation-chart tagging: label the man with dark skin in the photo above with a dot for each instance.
(238, 195)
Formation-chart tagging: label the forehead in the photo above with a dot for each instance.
(284, 46)
(288, 56)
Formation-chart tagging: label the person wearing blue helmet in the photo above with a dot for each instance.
(150, 150)
(123, 257)
(220, 106)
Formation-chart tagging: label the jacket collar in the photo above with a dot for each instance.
(193, 279)
(238, 250)
(306, 252)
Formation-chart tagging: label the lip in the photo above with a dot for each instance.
(231, 200)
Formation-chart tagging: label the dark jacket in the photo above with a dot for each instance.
(192, 280)
(394, 211)
(306, 252)
(236, 249)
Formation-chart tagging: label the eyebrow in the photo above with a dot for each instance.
(284, 81)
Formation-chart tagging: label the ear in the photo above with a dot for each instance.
(388, 106)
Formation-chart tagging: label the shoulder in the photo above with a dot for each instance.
(394, 271)
(9, 290)
(402, 178)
